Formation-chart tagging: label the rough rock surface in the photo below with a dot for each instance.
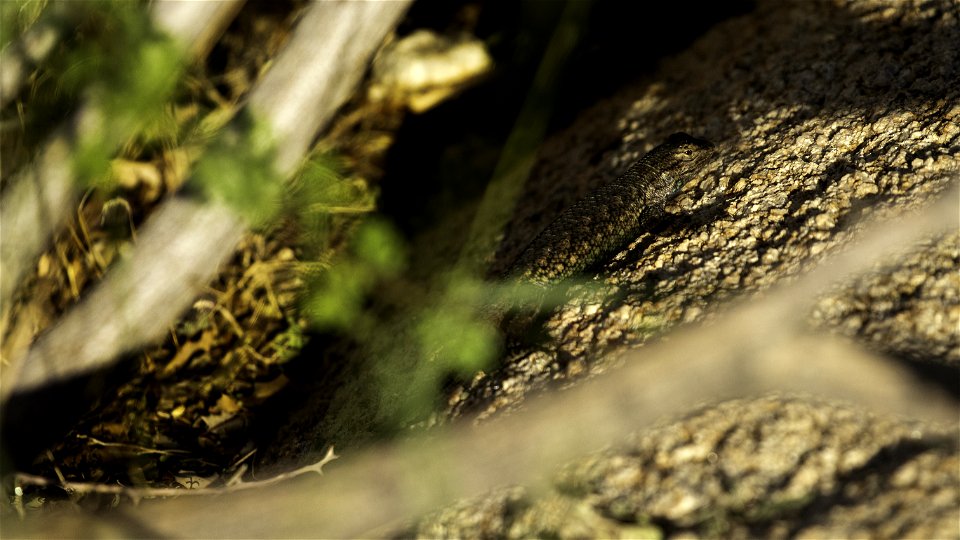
(824, 113)
(910, 309)
(763, 468)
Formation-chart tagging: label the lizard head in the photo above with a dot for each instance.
(681, 156)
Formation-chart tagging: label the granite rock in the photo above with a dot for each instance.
(824, 113)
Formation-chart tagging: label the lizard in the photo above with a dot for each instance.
(600, 224)
(592, 230)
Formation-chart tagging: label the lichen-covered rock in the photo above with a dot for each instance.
(910, 309)
(778, 467)
(762, 468)
(823, 113)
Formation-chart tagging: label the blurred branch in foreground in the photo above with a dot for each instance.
(41, 194)
(757, 347)
(183, 244)
(23, 54)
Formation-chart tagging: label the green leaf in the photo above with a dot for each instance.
(237, 170)
(337, 297)
(379, 245)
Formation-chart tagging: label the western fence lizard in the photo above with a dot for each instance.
(601, 223)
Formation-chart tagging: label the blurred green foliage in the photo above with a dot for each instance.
(467, 341)
(337, 297)
(413, 337)
(288, 343)
(125, 69)
(237, 170)
(16, 16)
(109, 57)
(321, 189)
(446, 334)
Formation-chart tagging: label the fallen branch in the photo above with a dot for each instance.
(40, 194)
(184, 243)
(758, 347)
(137, 494)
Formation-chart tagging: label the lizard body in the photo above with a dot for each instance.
(614, 214)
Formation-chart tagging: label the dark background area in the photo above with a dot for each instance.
(445, 157)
